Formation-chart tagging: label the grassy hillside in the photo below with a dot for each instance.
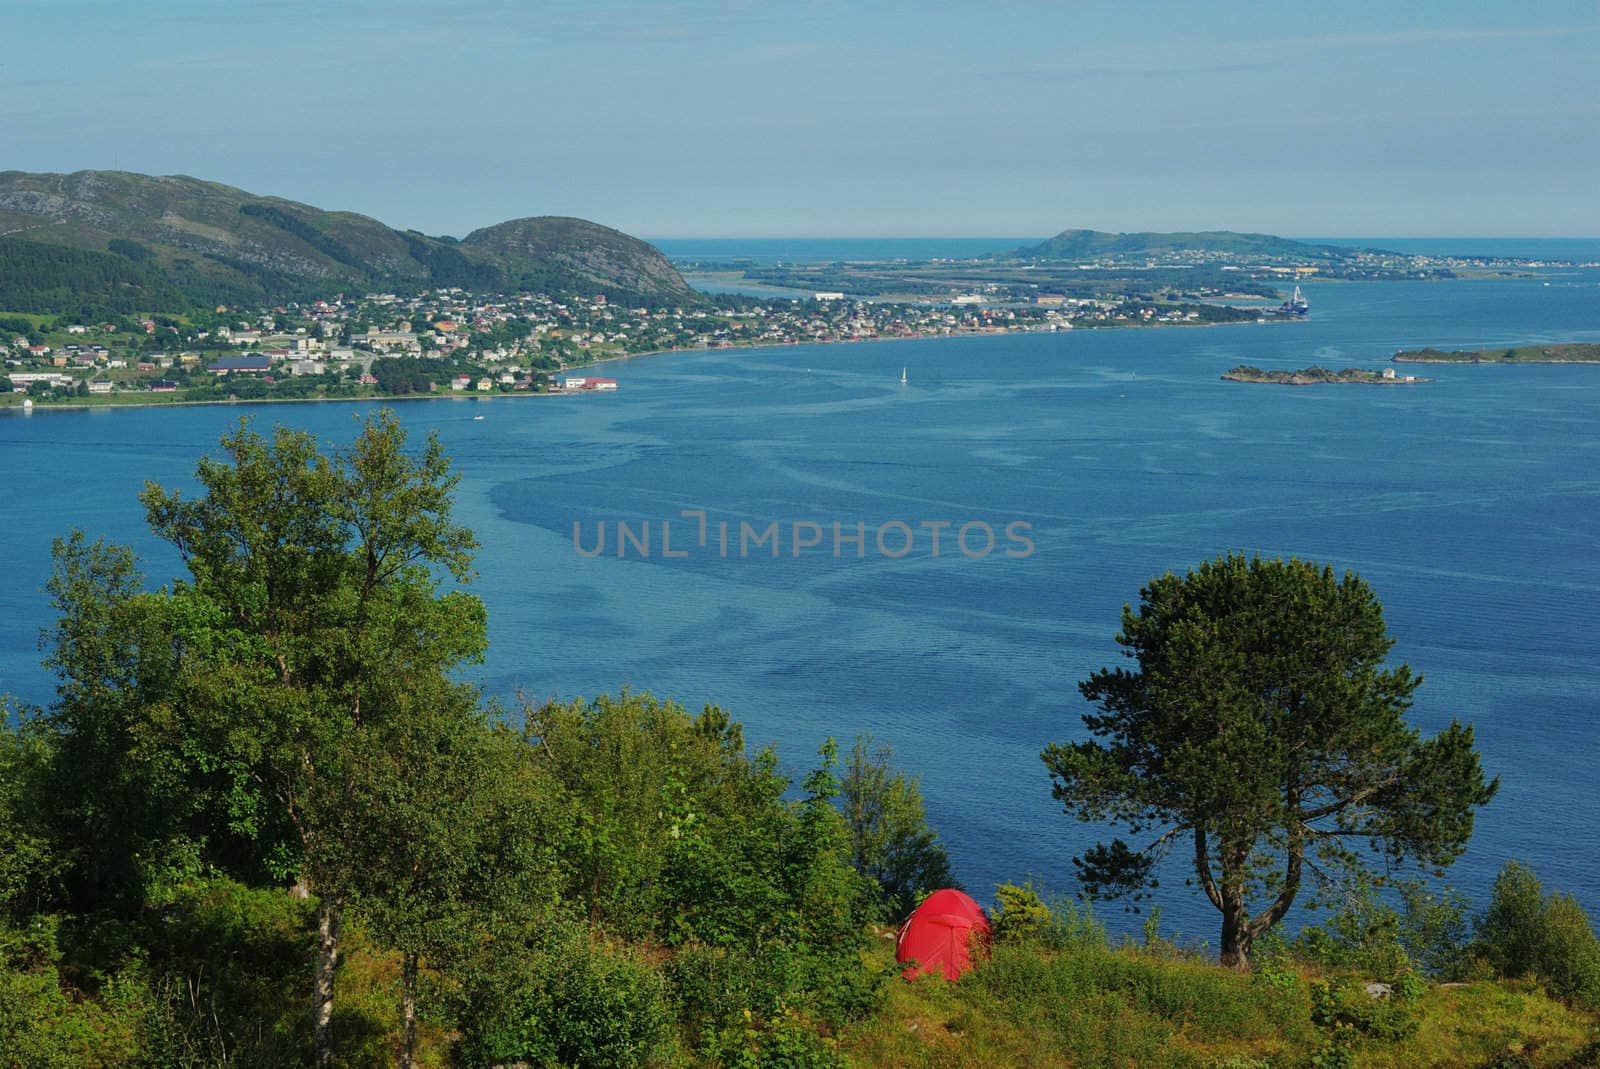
(218, 244)
(1088, 1004)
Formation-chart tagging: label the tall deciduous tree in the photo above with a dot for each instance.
(1260, 727)
(434, 841)
(311, 629)
(890, 840)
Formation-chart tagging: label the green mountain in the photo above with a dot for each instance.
(112, 238)
(1096, 244)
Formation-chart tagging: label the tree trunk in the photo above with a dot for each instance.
(1236, 933)
(408, 1011)
(330, 921)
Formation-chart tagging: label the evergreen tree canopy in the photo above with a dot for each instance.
(1261, 726)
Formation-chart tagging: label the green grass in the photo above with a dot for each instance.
(1096, 1006)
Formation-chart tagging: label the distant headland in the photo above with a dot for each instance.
(1563, 353)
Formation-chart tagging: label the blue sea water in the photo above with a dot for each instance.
(1471, 505)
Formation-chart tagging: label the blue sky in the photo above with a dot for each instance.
(1468, 117)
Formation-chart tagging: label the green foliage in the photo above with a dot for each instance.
(568, 1001)
(1021, 913)
(42, 1024)
(17, 326)
(1273, 967)
(447, 266)
(38, 277)
(29, 860)
(134, 251)
(124, 814)
(890, 840)
(1368, 934)
(667, 831)
(276, 714)
(228, 976)
(1525, 932)
(1342, 1006)
(1261, 726)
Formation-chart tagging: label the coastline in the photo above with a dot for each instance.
(1323, 382)
(1468, 363)
(386, 398)
(77, 406)
(994, 333)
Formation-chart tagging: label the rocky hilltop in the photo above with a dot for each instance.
(216, 243)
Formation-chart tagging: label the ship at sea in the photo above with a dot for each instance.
(1296, 305)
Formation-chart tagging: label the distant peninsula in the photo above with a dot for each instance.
(1313, 376)
(1090, 244)
(1564, 353)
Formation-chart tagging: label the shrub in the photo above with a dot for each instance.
(1525, 932)
(1342, 1007)
(731, 1006)
(1022, 914)
(1370, 935)
(44, 1024)
(572, 1002)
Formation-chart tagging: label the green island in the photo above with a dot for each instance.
(264, 822)
(1558, 353)
(1314, 375)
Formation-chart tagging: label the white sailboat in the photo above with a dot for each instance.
(902, 376)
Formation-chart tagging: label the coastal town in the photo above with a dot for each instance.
(448, 341)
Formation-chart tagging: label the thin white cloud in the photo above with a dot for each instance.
(1066, 74)
(1419, 37)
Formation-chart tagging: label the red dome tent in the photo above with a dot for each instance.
(940, 934)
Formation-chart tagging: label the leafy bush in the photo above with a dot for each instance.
(573, 1002)
(1344, 1003)
(44, 1023)
(1021, 915)
(674, 835)
(1370, 935)
(1525, 932)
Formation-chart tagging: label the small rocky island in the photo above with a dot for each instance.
(1564, 353)
(1312, 376)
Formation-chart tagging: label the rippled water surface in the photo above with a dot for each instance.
(1471, 504)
